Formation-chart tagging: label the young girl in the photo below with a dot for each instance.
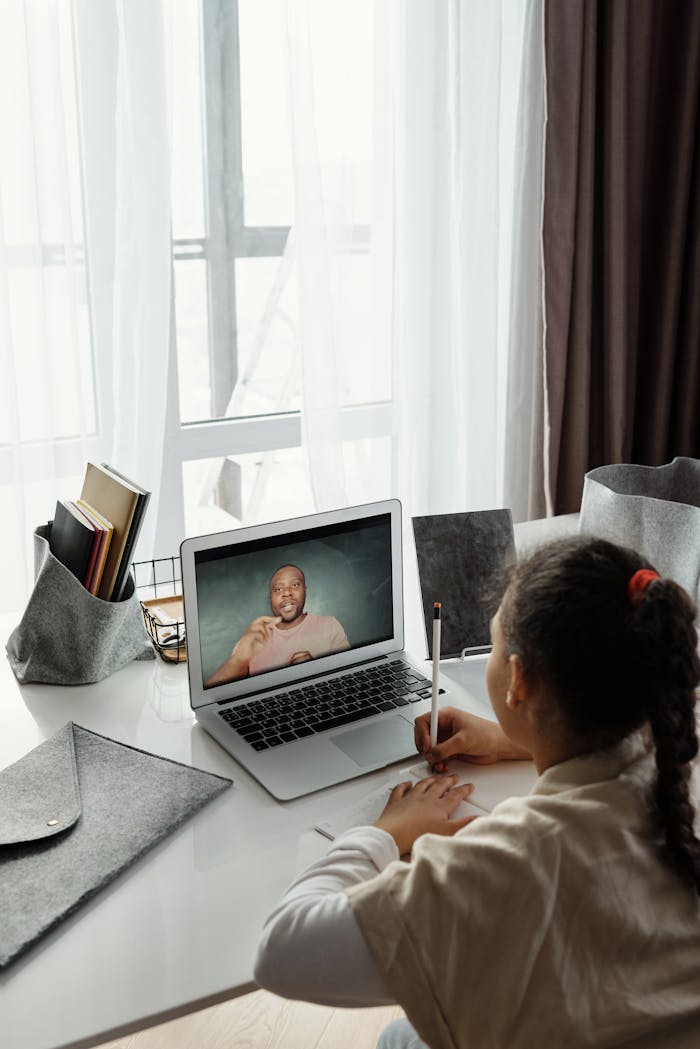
(570, 917)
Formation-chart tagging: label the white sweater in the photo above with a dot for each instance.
(552, 922)
(312, 947)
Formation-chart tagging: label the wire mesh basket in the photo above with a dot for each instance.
(158, 585)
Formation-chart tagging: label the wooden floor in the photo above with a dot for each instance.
(263, 1021)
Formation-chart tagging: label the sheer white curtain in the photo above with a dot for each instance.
(84, 256)
(524, 474)
(47, 412)
(331, 96)
(143, 265)
(456, 91)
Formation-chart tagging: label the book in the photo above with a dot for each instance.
(105, 529)
(143, 497)
(72, 538)
(116, 501)
(90, 571)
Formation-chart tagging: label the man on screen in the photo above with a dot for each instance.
(289, 636)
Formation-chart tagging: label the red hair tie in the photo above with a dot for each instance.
(637, 585)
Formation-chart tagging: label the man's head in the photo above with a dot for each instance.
(288, 593)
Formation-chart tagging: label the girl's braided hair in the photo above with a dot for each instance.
(615, 660)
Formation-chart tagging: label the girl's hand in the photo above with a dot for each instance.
(466, 736)
(424, 807)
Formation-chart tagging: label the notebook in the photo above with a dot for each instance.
(116, 501)
(295, 639)
(461, 559)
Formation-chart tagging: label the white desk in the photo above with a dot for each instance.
(178, 930)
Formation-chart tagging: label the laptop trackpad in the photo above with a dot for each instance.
(379, 743)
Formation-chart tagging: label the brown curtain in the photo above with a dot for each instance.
(621, 237)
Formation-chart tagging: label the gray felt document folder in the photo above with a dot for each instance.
(74, 813)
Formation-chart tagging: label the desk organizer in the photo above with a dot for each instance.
(67, 636)
(158, 584)
(654, 509)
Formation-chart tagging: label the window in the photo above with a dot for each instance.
(233, 446)
(274, 115)
(233, 450)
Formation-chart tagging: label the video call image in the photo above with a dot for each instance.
(275, 602)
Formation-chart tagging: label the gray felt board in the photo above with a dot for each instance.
(347, 576)
(461, 558)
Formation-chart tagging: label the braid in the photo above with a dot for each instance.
(667, 615)
(599, 607)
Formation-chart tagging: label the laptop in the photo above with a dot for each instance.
(295, 643)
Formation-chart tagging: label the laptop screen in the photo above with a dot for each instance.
(270, 602)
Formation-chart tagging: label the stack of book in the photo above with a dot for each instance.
(95, 535)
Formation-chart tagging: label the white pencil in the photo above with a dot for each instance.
(436, 668)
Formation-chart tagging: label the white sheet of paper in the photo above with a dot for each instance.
(492, 783)
(361, 814)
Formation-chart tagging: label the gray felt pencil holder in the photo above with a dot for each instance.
(67, 636)
(654, 509)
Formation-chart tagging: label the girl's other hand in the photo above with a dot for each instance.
(466, 736)
(424, 807)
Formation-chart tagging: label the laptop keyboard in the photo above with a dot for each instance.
(286, 716)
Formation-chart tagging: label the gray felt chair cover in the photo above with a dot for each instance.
(67, 636)
(654, 509)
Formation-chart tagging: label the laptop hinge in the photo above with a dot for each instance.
(306, 680)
